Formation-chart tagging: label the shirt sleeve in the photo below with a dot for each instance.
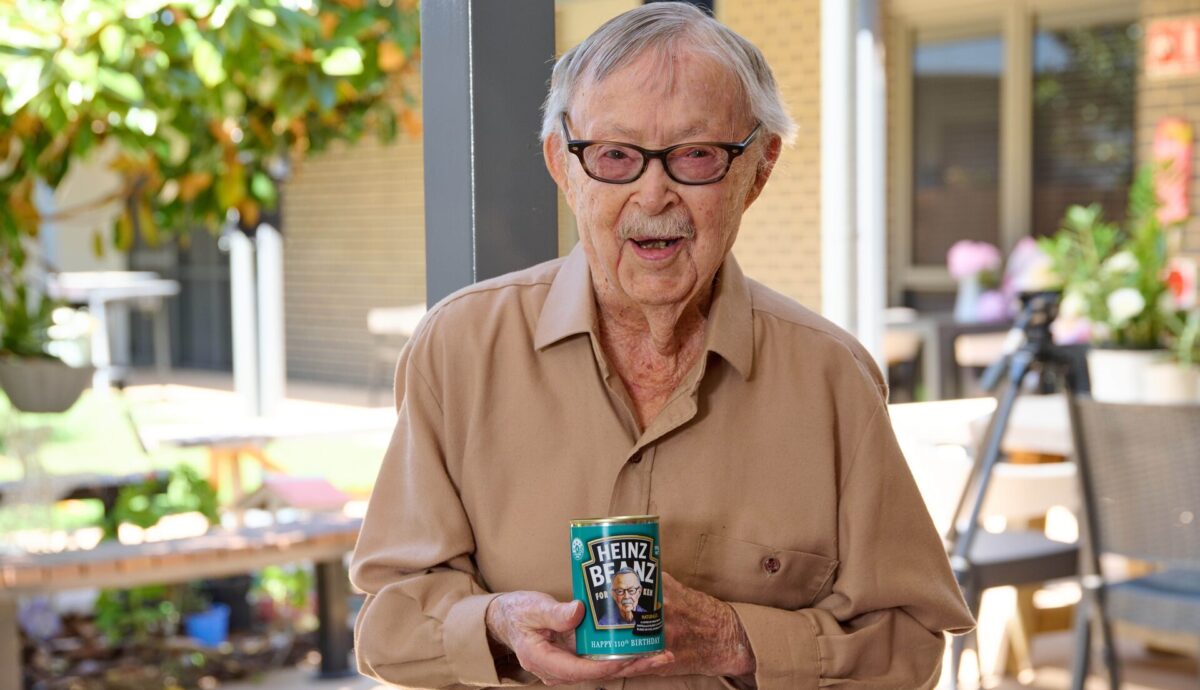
(894, 597)
(422, 623)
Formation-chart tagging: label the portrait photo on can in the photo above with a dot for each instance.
(617, 576)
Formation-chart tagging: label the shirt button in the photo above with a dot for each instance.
(637, 457)
(771, 564)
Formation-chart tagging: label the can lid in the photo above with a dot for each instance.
(620, 520)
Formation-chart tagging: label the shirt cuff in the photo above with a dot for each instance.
(785, 647)
(464, 635)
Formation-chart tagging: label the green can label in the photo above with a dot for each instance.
(616, 574)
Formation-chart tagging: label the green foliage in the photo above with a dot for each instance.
(286, 586)
(24, 322)
(140, 613)
(289, 588)
(1096, 259)
(206, 100)
(144, 504)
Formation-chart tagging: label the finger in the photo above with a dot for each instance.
(648, 664)
(671, 588)
(548, 661)
(559, 617)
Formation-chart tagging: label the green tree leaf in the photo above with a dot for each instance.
(124, 86)
(264, 190)
(343, 61)
(207, 59)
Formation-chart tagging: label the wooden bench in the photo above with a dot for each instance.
(323, 539)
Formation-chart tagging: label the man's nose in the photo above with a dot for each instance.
(655, 188)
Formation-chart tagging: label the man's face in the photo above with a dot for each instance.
(626, 590)
(656, 103)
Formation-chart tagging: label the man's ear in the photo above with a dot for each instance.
(556, 163)
(773, 147)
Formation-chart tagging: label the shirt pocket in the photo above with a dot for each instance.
(741, 571)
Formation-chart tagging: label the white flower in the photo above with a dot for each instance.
(1072, 305)
(1123, 305)
(1121, 262)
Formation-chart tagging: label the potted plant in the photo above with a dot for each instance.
(33, 379)
(975, 266)
(1178, 379)
(1114, 287)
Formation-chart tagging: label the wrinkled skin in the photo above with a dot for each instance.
(703, 635)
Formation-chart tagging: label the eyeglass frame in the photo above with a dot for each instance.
(734, 149)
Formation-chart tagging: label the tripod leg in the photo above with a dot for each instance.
(958, 644)
(1083, 641)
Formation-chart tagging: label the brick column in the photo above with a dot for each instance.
(1177, 96)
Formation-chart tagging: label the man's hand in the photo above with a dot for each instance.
(704, 634)
(537, 628)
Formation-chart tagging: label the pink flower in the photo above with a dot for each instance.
(1068, 331)
(992, 306)
(1028, 269)
(1181, 282)
(968, 258)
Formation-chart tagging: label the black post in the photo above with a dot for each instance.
(333, 635)
(490, 205)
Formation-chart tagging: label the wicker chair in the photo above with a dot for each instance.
(1139, 468)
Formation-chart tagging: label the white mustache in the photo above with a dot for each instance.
(661, 227)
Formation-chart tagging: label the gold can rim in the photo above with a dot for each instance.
(618, 520)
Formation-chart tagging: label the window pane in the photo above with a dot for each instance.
(1083, 137)
(956, 145)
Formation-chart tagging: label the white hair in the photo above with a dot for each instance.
(661, 27)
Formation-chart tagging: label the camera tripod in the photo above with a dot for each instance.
(981, 560)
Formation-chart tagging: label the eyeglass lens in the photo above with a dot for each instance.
(618, 163)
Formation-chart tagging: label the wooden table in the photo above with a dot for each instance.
(323, 539)
(940, 373)
(1039, 423)
(230, 440)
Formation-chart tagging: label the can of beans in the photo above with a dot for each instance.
(616, 574)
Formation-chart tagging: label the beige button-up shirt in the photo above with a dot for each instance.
(779, 483)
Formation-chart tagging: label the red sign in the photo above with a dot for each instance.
(1173, 47)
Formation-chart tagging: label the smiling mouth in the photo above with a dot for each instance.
(657, 243)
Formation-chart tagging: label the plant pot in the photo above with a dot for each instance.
(1170, 382)
(1119, 376)
(42, 384)
(210, 628)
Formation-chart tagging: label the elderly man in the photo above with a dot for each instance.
(624, 591)
(645, 374)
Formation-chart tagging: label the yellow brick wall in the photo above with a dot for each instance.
(780, 239)
(354, 238)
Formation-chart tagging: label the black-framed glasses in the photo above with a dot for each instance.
(693, 163)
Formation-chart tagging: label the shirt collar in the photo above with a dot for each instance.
(570, 309)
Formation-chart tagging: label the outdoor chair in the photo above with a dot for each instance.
(1139, 468)
(1019, 556)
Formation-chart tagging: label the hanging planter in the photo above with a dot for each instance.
(42, 384)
